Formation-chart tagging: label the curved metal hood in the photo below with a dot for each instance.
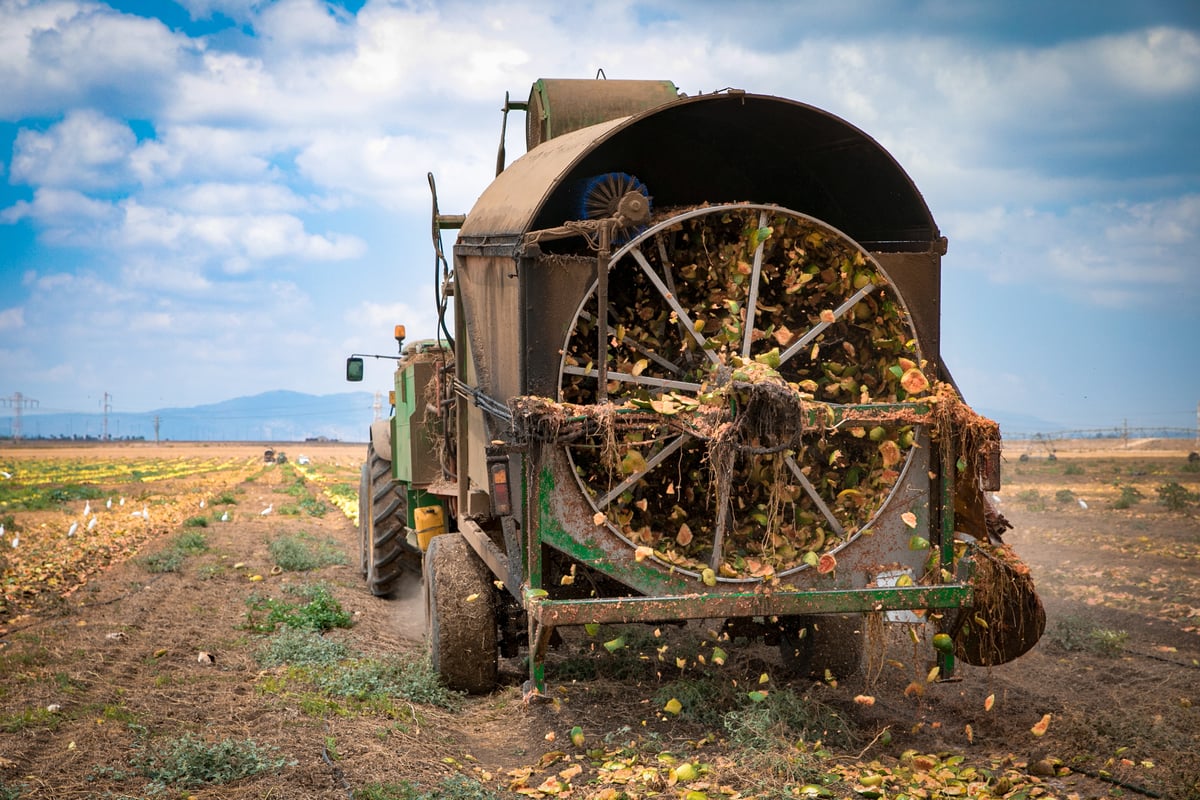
(717, 148)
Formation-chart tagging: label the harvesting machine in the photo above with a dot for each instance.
(693, 371)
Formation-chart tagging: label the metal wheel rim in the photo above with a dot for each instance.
(635, 250)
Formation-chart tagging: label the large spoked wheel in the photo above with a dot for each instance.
(383, 527)
(460, 613)
(749, 310)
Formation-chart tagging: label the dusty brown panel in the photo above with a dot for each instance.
(562, 105)
(554, 288)
(918, 279)
(488, 290)
(507, 206)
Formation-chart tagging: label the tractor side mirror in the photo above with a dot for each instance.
(354, 369)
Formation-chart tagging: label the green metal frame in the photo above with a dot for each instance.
(674, 597)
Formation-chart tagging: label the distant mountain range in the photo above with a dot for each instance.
(279, 416)
(1022, 425)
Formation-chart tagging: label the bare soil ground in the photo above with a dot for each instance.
(1118, 670)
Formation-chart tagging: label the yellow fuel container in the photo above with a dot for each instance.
(429, 522)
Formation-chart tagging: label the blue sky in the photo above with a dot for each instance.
(204, 199)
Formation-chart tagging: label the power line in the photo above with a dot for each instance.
(1123, 431)
(18, 402)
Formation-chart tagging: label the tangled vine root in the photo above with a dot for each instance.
(875, 635)
(1007, 617)
(754, 429)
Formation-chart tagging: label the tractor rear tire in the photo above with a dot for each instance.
(813, 644)
(383, 527)
(364, 512)
(460, 614)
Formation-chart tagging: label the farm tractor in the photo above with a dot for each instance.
(692, 371)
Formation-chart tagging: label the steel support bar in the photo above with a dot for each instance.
(553, 613)
(496, 560)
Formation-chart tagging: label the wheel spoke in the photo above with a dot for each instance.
(673, 301)
(752, 300)
(814, 495)
(668, 273)
(625, 377)
(816, 330)
(660, 240)
(650, 354)
(651, 463)
(718, 550)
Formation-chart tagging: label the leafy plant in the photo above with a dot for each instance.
(1074, 633)
(196, 522)
(29, 718)
(784, 716)
(190, 542)
(300, 647)
(301, 553)
(408, 677)
(1032, 499)
(163, 561)
(298, 488)
(767, 732)
(344, 490)
(1130, 496)
(172, 557)
(322, 612)
(1175, 497)
(20, 498)
(1073, 469)
(1064, 496)
(190, 762)
(1108, 642)
(313, 507)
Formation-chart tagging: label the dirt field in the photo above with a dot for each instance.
(102, 665)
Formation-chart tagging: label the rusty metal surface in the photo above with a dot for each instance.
(562, 518)
(552, 613)
(508, 205)
(562, 105)
(491, 555)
